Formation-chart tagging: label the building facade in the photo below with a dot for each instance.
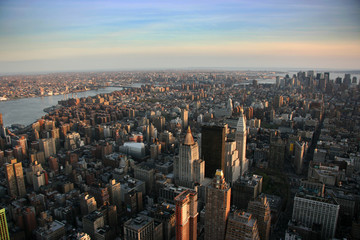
(260, 209)
(242, 225)
(213, 149)
(186, 215)
(217, 207)
(310, 209)
(240, 138)
(188, 168)
(15, 178)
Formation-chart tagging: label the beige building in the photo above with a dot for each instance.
(15, 178)
(188, 168)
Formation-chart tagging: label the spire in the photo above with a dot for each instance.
(189, 140)
(241, 125)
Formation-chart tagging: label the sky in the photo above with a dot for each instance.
(79, 35)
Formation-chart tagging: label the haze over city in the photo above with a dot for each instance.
(81, 35)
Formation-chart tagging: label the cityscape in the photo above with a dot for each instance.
(165, 121)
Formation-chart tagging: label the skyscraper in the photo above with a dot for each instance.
(15, 178)
(242, 225)
(213, 148)
(260, 209)
(232, 162)
(189, 169)
(277, 152)
(240, 138)
(217, 207)
(186, 215)
(4, 231)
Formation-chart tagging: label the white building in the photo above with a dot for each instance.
(240, 138)
(309, 209)
(188, 168)
(232, 162)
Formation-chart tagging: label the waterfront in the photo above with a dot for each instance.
(27, 110)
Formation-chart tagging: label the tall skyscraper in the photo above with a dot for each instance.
(188, 168)
(240, 138)
(242, 225)
(260, 209)
(186, 215)
(185, 118)
(311, 209)
(15, 179)
(232, 162)
(217, 207)
(4, 231)
(213, 148)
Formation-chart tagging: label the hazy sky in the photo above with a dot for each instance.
(100, 35)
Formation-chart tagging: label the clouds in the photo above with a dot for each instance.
(40, 30)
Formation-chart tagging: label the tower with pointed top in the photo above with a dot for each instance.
(240, 138)
(217, 207)
(189, 169)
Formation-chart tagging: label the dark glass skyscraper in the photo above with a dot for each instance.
(213, 149)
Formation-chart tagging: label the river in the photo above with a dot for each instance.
(25, 111)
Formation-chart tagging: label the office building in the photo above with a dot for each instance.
(15, 178)
(39, 179)
(277, 152)
(240, 138)
(242, 225)
(311, 209)
(145, 172)
(30, 223)
(4, 231)
(213, 148)
(47, 145)
(186, 204)
(185, 118)
(278, 101)
(217, 207)
(92, 222)
(51, 231)
(87, 204)
(139, 228)
(232, 162)
(188, 168)
(114, 190)
(245, 189)
(101, 194)
(260, 209)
